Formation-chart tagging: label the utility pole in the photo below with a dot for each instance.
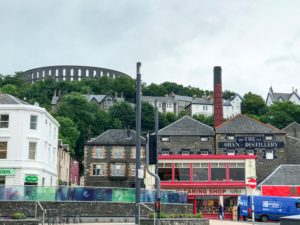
(138, 143)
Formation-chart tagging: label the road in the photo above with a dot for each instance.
(228, 222)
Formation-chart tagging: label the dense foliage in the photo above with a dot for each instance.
(81, 120)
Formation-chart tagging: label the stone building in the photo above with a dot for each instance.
(186, 136)
(109, 159)
(243, 135)
(293, 142)
(63, 163)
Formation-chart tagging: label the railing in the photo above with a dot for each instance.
(147, 207)
(43, 211)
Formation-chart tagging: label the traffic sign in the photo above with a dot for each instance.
(252, 183)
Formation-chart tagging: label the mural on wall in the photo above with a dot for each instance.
(64, 193)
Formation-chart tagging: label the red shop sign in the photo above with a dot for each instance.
(288, 191)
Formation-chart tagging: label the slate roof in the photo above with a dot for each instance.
(208, 101)
(233, 97)
(292, 129)
(292, 125)
(283, 175)
(183, 98)
(275, 96)
(186, 126)
(116, 137)
(242, 124)
(6, 99)
(159, 98)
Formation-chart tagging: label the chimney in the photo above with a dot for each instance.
(218, 101)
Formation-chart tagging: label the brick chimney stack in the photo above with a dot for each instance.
(218, 98)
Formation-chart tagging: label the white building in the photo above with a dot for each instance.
(282, 97)
(28, 144)
(205, 106)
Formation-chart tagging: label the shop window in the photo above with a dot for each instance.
(4, 120)
(98, 169)
(207, 204)
(230, 152)
(33, 122)
(200, 171)
(165, 139)
(165, 171)
(269, 154)
(99, 152)
(203, 139)
(218, 171)
(32, 151)
(237, 171)
(2, 180)
(117, 169)
(3, 150)
(182, 171)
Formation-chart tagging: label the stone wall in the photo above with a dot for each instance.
(177, 143)
(293, 150)
(96, 209)
(19, 222)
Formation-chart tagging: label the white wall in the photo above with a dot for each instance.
(18, 135)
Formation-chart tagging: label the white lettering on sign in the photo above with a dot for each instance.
(214, 191)
(271, 204)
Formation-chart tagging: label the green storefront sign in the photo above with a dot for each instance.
(7, 172)
(31, 179)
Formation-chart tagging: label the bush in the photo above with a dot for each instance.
(18, 216)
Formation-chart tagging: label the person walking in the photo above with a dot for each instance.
(221, 212)
(238, 212)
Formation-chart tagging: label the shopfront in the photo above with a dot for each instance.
(4, 172)
(209, 180)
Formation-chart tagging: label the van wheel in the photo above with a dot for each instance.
(264, 218)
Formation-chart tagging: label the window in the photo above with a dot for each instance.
(169, 105)
(165, 171)
(3, 150)
(132, 170)
(237, 171)
(298, 204)
(218, 171)
(32, 150)
(117, 153)
(159, 105)
(269, 154)
(98, 169)
(33, 122)
(269, 138)
(250, 152)
(185, 152)
(204, 152)
(133, 153)
(182, 171)
(230, 138)
(165, 151)
(200, 171)
(203, 138)
(99, 152)
(117, 169)
(108, 103)
(2, 180)
(165, 139)
(4, 119)
(230, 152)
(205, 108)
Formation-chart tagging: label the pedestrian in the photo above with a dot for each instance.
(221, 212)
(238, 212)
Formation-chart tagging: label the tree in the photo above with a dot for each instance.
(281, 114)
(68, 132)
(228, 94)
(208, 120)
(9, 89)
(148, 117)
(253, 104)
(125, 113)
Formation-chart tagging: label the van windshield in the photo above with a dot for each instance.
(298, 203)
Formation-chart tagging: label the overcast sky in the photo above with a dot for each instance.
(257, 43)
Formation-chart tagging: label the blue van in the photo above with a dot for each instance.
(269, 207)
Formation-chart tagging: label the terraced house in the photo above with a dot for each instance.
(109, 159)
